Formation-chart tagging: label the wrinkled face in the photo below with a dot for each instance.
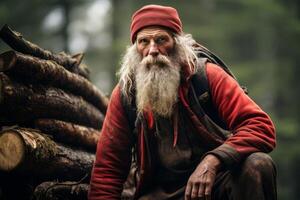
(157, 75)
(154, 41)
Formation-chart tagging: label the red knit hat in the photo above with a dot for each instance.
(152, 15)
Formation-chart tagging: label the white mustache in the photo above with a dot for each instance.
(159, 60)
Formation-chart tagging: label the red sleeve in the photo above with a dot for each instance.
(113, 155)
(252, 128)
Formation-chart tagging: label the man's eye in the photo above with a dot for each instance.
(143, 41)
(160, 40)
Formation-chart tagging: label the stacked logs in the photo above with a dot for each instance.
(50, 117)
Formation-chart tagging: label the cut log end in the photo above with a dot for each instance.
(6, 30)
(12, 150)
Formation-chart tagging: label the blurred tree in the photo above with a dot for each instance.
(120, 33)
(288, 92)
(66, 5)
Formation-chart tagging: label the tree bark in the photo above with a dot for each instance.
(30, 151)
(25, 103)
(35, 70)
(61, 191)
(69, 133)
(16, 41)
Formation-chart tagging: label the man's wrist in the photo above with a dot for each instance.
(213, 161)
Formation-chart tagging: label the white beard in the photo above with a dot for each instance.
(157, 82)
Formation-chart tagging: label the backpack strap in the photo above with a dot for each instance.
(203, 52)
(200, 95)
(130, 110)
(200, 82)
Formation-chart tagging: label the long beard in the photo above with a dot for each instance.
(157, 82)
(156, 85)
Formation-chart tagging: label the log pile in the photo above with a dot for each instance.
(55, 190)
(50, 120)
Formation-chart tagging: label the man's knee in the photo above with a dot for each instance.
(259, 166)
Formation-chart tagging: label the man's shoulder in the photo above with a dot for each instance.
(215, 72)
(116, 92)
(212, 68)
(115, 98)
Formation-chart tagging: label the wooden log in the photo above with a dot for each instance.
(16, 41)
(31, 152)
(23, 103)
(61, 191)
(69, 133)
(35, 70)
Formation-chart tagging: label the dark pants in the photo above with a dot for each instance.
(255, 179)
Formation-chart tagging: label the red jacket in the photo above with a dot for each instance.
(251, 127)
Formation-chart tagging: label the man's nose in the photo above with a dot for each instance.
(153, 50)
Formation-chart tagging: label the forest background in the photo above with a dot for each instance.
(259, 40)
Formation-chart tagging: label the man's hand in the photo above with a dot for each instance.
(199, 185)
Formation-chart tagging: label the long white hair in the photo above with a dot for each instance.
(183, 55)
